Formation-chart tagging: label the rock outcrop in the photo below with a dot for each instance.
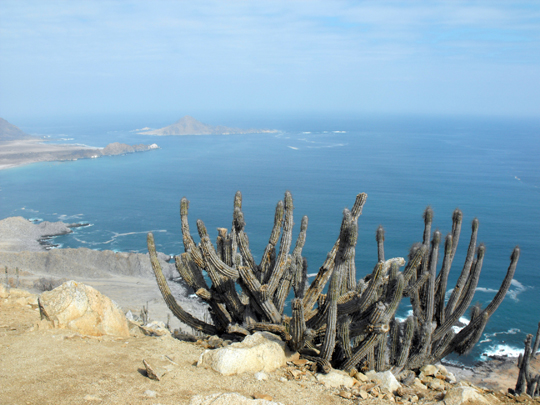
(262, 351)
(83, 309)
(18, 234)
(85, 262)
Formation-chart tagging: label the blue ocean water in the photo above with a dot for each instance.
(488, 168)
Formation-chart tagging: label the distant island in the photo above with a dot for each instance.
(18, 148)
(190, 126)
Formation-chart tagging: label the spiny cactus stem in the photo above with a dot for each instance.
(325, 271)
(347, 240)
(285, 285)
(243, 244)
(360, 352)
(270, 250)
(298, 325)
(317, 286)
(414, 262)
(254, 287)
(273, 328)
(406, 343)
(379, 236)
(457, 220)
(284, 247)
(344, 323)
(458, 289)
(442, 280)
(210, 256)
(450, 319)
(536, 341)
(169, 298)
(524, 367)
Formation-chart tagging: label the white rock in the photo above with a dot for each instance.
(336, 379)
(231, 398)
(83, 309)
(262, 351)
(462, 395)
(429, 370)
(260, 376)
(150, 394)
(386, 380)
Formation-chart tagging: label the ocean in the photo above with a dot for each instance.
(487, 167)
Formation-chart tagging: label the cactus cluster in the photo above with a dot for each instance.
(353, 326)
(528, 381)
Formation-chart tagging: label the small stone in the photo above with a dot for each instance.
(363, 394)
(152, 372)
(345, 394)
(429, 370)
(261, 376)
(92, 398)
(336, 379)
(300, 362)
(150, 394)
(361, 377)
(258, 395)
(436, 385)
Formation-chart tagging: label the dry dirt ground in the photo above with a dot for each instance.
(55, 366)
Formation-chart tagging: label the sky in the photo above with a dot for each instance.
(356, 57)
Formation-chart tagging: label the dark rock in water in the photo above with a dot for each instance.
(78, 225)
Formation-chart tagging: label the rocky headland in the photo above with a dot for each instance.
(18, 148)
(188, 125)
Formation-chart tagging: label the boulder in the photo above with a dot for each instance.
(464, 395)
(336, 379)
(386, 380)
(83, 309)
(229, 398)
(262, 351)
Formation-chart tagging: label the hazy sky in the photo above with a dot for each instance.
(456, 57)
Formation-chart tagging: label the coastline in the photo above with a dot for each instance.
(24, 152)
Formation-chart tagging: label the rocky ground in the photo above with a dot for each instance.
(60, 366)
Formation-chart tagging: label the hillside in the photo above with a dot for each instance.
(9, 132)
(188, 125)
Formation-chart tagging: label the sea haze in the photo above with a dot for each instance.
(487, 167)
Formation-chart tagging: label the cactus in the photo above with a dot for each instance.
(353, 326)
(527, 381)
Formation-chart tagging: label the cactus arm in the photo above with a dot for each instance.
(524, 370)
(425, 341)
(169, 298)
(442, 280)
(325, 271)
(379, 237)
(536, 342)
(254, 287)
(360, 352)
(210, 255)
(300, 279)
(474, 275)
(269, 254)
(284, 286)
(284, 246)
(190, 272)
(298, 325)
(457, 291)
